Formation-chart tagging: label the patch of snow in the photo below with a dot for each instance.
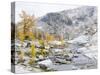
(90, 52)
(79, 40)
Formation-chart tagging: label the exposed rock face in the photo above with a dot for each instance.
(70, 23)
(45, 64)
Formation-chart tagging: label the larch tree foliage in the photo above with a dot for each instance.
(25, 32)
(27, 24)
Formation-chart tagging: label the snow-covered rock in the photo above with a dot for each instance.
(82, 49)
(90, 52)
(79, 40)
(46, 63)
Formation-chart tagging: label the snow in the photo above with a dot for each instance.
(82, 49)
(90, 52)
(79, 40)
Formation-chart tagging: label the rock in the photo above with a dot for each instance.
(47, 47)
(21, 69)
(62, 67)
(28, 44)
(90, 51)
(24, 44)
(69, 59)
(61, 61)
(81, 60)
(74, 68)
(55, 42)
(75, 55)
(57, 50)
(79, 40)
(82, 49)
(40, 57)
(45, 64)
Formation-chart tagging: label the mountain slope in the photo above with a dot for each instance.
(70, 23)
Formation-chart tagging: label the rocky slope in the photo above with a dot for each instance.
(78, 26)
(70, 23)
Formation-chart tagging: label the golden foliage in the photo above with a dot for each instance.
(33, 51)
(41, 42)
(31, 61)
(31, 35)
(21, 55)
(33, 55)
(21, 36)
(49, 37)
(43, 52)
(26, 25)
